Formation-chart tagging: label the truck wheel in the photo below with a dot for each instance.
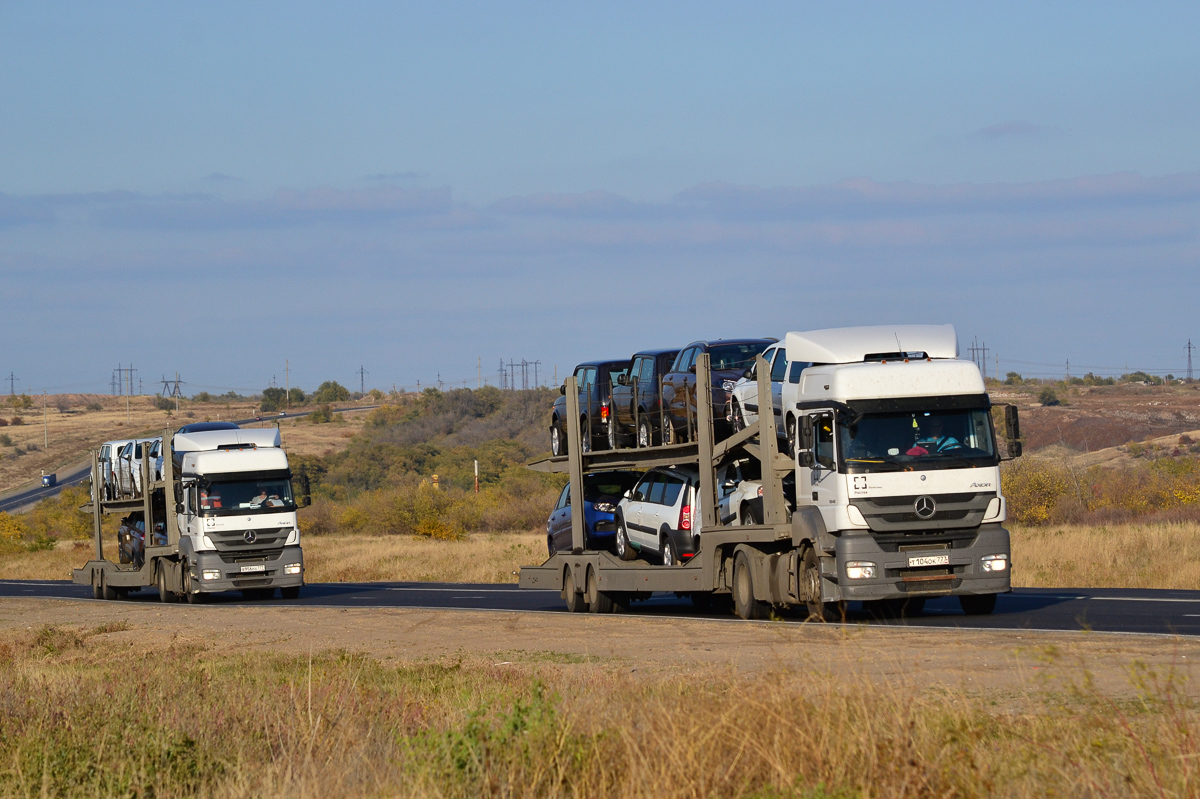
(645, 436)
(666, 550)
(625, 550)
(744, 603)
(107, 592)
(597, 600)
(163, 594)
(557, 445)
(811, 576)
(97, 588)
(291, 592)
(193, 597)
(978, 604)
(571, 595)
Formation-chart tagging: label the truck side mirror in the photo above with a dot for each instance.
(804, 442)
(805, 458)
(179, 507)
(1012, 432)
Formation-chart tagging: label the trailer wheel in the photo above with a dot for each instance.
(571, 595)
(978, 604)
(625, 550)
(811, 591)
(558, 446)
(597, 600)
(744, 603)
(107, 592)
(97, 589)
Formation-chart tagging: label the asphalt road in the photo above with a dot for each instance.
(1099, 609)
(80, 473)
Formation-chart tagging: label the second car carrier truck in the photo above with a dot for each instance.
(889, 493)
(221, 518)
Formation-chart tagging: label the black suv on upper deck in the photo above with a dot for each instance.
(596, 379)
(728, 360)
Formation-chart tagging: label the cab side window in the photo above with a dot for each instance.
(823, 441)
(779, 369)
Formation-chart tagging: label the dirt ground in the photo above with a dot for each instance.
(957, 660)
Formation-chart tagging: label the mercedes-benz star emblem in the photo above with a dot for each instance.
(250, 536)
(925, 507)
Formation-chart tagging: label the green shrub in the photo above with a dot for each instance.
(330, 391)
(1048, 398)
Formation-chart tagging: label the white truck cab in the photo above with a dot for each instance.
(236, 510)
(896, 453)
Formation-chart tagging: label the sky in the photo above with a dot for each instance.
(422, 190)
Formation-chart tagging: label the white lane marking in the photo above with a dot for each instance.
(1078, 597)
(486, 590)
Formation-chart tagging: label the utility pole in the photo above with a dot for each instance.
(1189, 352)
(176, 392)
(12, 380)
(479, 376)
(536, 364)
(440, 383)
(45, 422)
(112, 384)
(362, 379)
(287, 382)
(1068, 368)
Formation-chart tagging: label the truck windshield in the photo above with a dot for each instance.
(267, 495)
(920, 440)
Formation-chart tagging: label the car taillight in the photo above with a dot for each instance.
(685, 518)
(604, 411)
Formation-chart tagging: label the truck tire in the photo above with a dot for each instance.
(645, 436)
(597, 600)
(291, 592)
(571, 595)
(558, 442)
(625, 550)
(811, 577)
(744, 603)
(193, 597)
(107, 592)
(977, 604)
(163, 594)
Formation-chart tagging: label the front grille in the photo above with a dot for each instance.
(266, 540)
(254, 582)
(898, 514)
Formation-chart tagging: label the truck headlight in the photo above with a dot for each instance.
(860, 570)
(994, 563)
(210, 574)
(291, 568)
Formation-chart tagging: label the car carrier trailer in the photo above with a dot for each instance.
(794, 557)
(192, 546)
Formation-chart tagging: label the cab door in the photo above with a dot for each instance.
(822, 479)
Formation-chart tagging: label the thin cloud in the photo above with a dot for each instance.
(385, 177)
(588, 204)
(221, 177)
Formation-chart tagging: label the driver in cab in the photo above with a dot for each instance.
(933, 438)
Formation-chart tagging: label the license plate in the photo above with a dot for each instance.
(261, 567)
(928, 560)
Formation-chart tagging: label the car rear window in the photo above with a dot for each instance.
(734, 356)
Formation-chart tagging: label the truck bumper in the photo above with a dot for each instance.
(894, 579)
(231, 577)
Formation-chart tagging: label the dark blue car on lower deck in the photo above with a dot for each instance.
(601, 493)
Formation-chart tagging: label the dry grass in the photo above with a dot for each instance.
(1115, 556)
(76, 720)
(479, 558)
